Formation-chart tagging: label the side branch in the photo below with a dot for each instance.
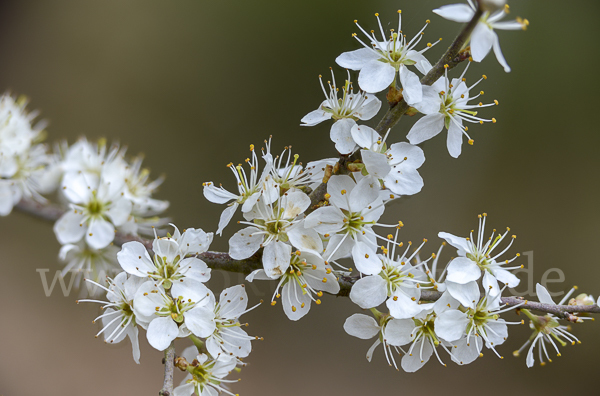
(215, 260)
(222, 261)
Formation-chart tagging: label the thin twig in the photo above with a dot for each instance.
(169, 361)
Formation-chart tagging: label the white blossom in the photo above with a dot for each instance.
(344, 111)
(276, 228)
(483, 38)
(94, 264)
(206, 376)
(381, 61)
(476, 257)
(119, 319)
(365, 327)
(445, 105)
(355, 208)
(24, 164)
(396, 166)
(390, 277)
(546, 330)
(170, 263)
(166, 318)
(228, 337)
(305, 276)
(250, 188)
(97, 206)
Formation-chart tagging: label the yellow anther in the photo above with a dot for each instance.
(343, 192)
(293, 308)
(493, 120)
(324, 280)
(390, 237)
(318, 302)
(471, 141)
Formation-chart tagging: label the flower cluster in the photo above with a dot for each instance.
(461, 322)
(105, 193)
(384, 62)
(165, 295)
(25, 165)
(298, 221)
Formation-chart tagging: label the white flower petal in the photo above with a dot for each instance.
(463, 270)
(276, 259)
(69, 228)
(361, 326)
(369, 292)
(135, 260)
(315, 117)
(411, 85)
(455, 12)
(366, 259)
(161, 331)
(356, 60)
(426, 128)
(100, 233)
(245, 243)
(467, 294)
(376, 76)
(451, 324)
(342, 137)
(482, 40)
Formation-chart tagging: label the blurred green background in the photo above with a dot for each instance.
(192, 83)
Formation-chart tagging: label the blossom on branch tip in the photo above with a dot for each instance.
(483, 38)
(546, 330)
(381, 61)
(344, 111)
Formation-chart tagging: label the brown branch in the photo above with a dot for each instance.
(222, 261)
(169, 362)
(214, 260)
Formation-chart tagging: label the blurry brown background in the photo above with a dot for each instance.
(193, 83)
